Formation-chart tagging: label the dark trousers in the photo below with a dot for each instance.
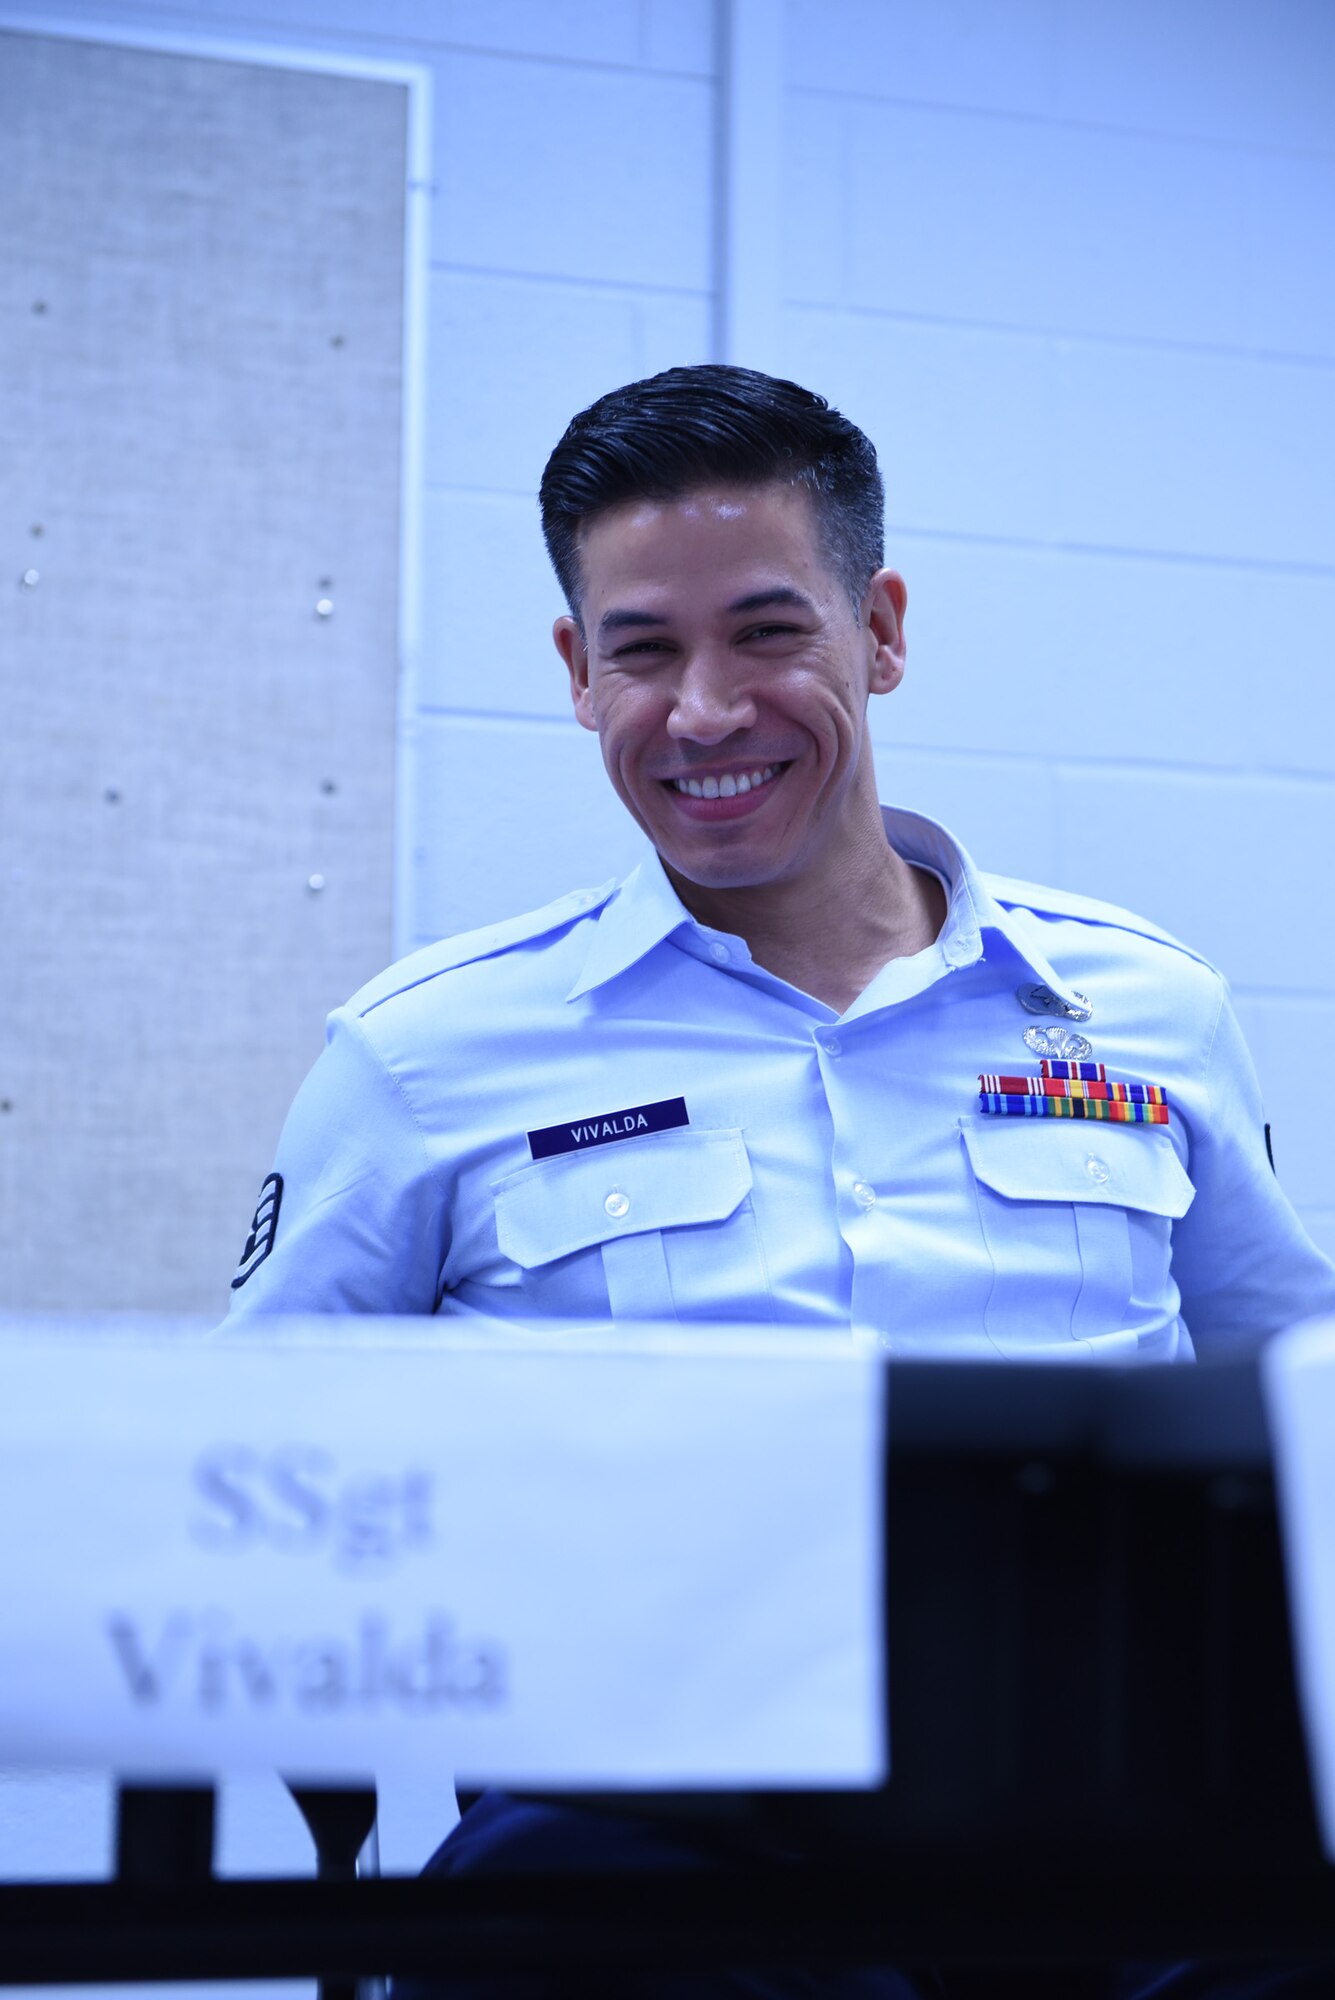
(501, 1835)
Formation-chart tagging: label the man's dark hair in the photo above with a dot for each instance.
(714, 426)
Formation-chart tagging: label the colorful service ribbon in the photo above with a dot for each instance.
(1073, 1096)
(1073, 1107)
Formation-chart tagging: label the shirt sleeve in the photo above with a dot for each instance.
(358, 1224)
(1243, 1262)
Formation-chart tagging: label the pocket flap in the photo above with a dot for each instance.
(1058, 1159)
(667, 1180)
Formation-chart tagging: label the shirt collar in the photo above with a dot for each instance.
(646, 910)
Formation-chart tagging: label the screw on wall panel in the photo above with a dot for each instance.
(324, 607)
(30, 579)
(6, 1104)
(39, 305)
(325, 583)
(315, 883)
(328, 787)
(37, 529)
(337, 340)
(112, 796)
(1035, 1478)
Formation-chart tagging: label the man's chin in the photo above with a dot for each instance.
(716, 872)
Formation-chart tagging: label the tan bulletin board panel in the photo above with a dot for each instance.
(201, 302)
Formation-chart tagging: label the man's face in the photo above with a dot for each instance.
(726, 673)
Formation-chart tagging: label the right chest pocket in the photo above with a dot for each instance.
(669, 1217)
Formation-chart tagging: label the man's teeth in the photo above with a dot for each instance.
(726, 787)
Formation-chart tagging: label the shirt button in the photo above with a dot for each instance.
(831, 1044)
(719, 953)
(617, 1204)
(864, 1194)
(1098, 1170)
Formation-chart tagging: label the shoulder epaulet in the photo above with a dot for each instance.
(469, 946)
(1046, 902)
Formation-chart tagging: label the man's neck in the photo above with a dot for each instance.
(829, 938)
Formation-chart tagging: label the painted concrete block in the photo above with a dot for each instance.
(489, 597)
(588, 31)
(678, 35)
(259, 1829)
(1002, 809)
(573, 172)
(1292, 289)
(674, 329)
(511, 361)
(56, 1825)
(1235, 867)
(1202, 454)
(578, 30)
(1029, 223)
(414, 1814)
(814, 205)
(963, 420)
(227, 27)
(1158, 662)
(969, 52)
(510, 816)
(1148, 449)
(1213, 69)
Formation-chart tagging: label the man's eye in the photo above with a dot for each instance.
(640, 646)
(770, 632)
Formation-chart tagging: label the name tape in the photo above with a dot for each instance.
(606, 1126)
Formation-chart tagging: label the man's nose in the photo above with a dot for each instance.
(710, 702)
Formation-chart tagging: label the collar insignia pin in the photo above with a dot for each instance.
(1042, 1000)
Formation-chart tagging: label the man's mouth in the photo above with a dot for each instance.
(729, 785)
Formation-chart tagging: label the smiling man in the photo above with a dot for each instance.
(806, 1065)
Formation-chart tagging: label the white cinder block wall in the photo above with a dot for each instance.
(1072, 266)
(1070, 263)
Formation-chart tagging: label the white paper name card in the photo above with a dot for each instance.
(348, 1547)
(1298, 1377)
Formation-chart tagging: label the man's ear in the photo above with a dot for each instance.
(886, 602)
(570, 645)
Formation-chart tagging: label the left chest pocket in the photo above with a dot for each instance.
(1077, 1218)
(668, 1216)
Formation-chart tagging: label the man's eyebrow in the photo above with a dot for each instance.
(619, 621)
(781, 594)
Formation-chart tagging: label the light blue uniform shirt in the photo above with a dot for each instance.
(832, 1170)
